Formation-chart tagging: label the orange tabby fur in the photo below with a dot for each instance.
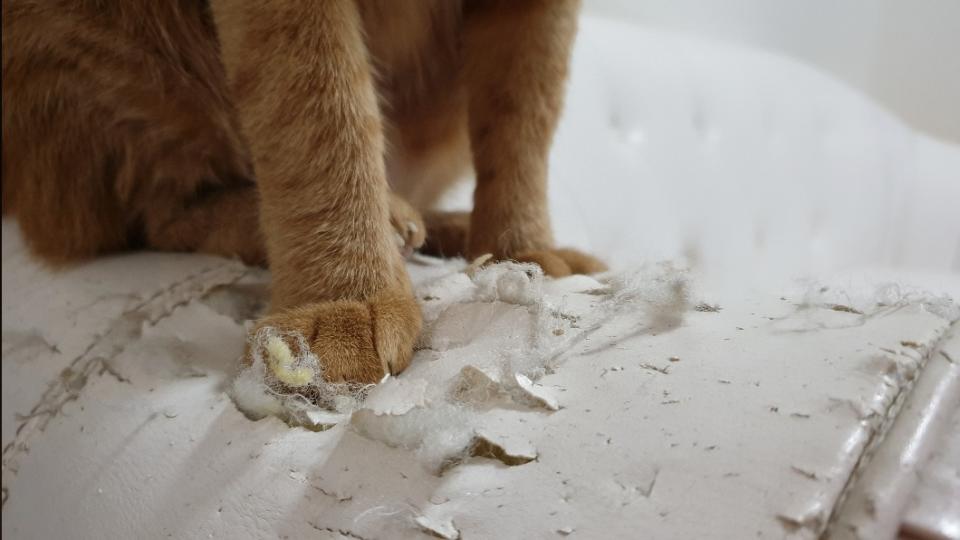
(271, 130)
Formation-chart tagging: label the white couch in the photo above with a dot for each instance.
(673, 145)
(651, 418)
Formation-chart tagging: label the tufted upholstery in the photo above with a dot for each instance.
(738, 158)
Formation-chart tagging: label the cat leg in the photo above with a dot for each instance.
(516, 57)
(448, 233)
(225, 221)
(301, 80)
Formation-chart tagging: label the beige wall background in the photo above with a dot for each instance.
(903, 53)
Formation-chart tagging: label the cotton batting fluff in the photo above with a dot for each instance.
(285, 379)
(510, 282)
(439, 434)
(661, 290)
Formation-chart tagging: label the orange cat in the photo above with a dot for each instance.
(271, 131)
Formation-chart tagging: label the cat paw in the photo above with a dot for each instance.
(447, 233)
(448, 236)
(356, 342)
(407, 224)
(560, 262)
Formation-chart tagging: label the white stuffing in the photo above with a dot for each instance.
(252, 396)
(499, 328)
(439, 434)
(510, 282)
(661, 290)
(285, 379)
(397, 395)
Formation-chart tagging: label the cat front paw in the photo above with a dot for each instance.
(560, 262)
(354, 341)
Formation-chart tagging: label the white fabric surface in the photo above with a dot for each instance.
(742, 160)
